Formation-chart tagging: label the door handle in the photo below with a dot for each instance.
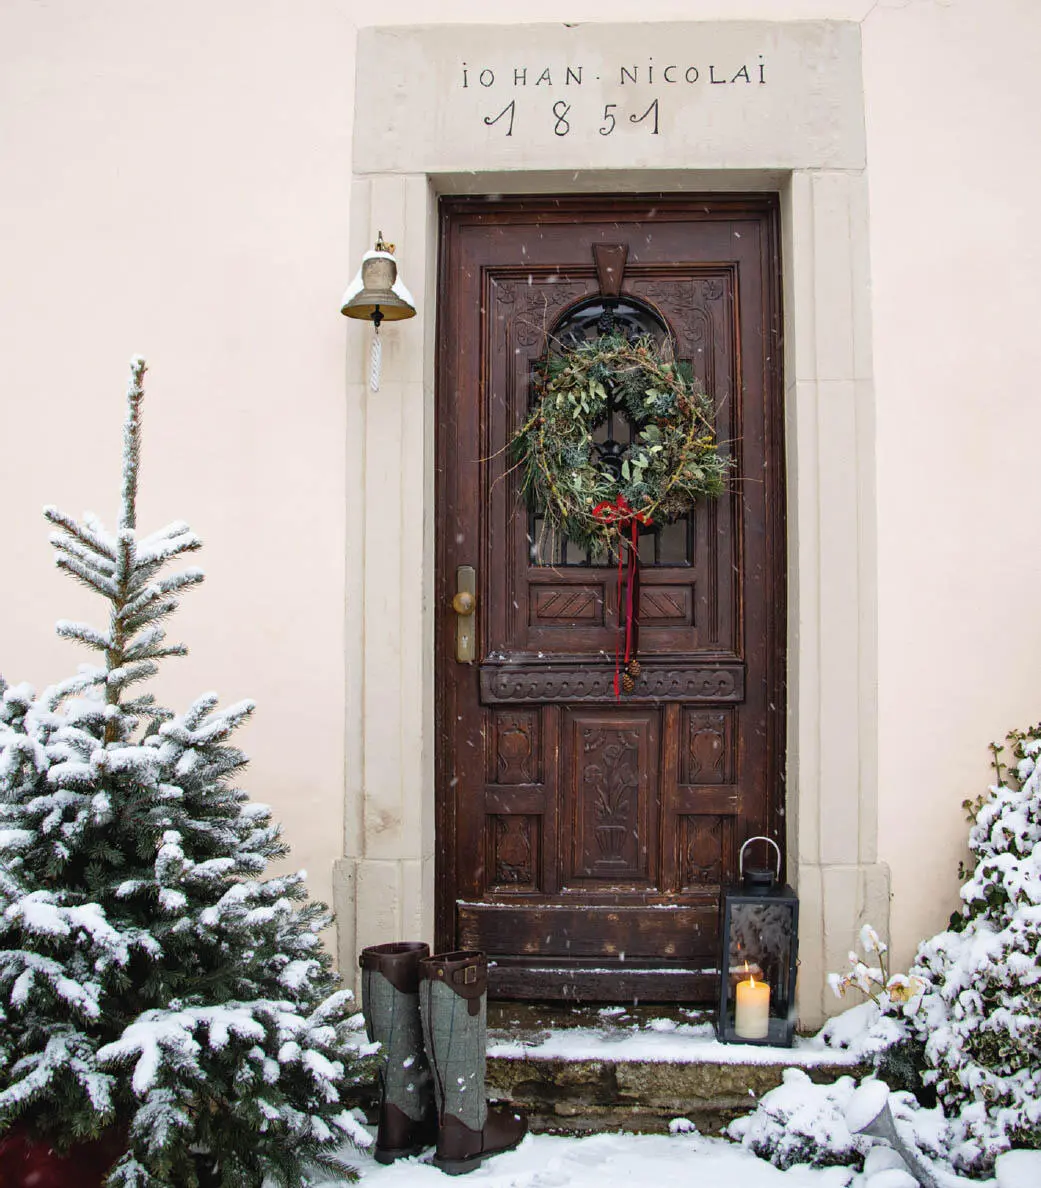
(464, 603)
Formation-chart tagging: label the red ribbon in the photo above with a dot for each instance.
(617, 515)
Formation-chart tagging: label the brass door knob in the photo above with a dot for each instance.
(463, 603)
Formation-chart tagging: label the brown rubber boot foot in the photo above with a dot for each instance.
(461, 1150)
(399, 1137)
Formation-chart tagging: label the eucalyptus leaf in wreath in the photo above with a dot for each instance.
(672, 461)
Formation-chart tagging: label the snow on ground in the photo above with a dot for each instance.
(690, 1159)
(1019, 1169)
(606, 1160)
(661, 1161)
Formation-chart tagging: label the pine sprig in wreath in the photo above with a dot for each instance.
(672, 461)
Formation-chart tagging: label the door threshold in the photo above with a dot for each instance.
(525, 1019)
(607, 983)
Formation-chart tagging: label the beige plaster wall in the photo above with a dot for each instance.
(956, 278)
(176, 181)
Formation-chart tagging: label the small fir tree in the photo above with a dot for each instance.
(153, 984)
(980, 1013)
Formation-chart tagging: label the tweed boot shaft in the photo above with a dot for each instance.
(455, 1037)
(392, 1018)
(453, 997)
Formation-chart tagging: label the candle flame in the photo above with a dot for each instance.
(751, 976)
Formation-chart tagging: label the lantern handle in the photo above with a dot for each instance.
(741, 855)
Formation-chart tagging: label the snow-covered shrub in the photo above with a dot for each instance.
(980, 1014)
(151, 980)
(800, 1122)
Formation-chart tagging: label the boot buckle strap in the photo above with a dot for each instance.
(464, 972)
(398, 963)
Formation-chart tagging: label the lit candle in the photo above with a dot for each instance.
(752, 1017)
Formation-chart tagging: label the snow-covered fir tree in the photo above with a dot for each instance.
(980, 1013)
(153, 984)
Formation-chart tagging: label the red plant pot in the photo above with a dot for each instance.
(28, 1162)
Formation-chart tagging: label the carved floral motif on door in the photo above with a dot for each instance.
(609, 781)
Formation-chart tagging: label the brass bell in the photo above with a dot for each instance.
(376, 293)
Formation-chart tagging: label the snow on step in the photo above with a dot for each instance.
(661, 1041)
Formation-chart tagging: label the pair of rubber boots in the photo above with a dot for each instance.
(429, 1014)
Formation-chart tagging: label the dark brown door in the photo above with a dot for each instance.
(582, 840)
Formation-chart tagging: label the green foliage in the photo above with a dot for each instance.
(673, 460)
(902, 1066)
(980, 1014)
(151, 979)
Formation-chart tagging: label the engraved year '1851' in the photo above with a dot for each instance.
(561, 118)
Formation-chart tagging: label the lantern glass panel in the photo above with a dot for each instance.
(760, 948)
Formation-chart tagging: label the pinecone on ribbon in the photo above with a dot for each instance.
(634, 669)
(628, 684)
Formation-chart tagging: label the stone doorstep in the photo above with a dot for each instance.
(580, 1096)
(585, 1096)
(643, 1097)
(568, 1096)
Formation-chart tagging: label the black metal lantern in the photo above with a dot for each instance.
(758, 957)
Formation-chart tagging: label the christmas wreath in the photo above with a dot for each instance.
(587, 491)
(598, 494)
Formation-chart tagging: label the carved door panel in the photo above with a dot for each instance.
(582, 839)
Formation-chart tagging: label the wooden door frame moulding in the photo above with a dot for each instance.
(563, 208)
(384, 884)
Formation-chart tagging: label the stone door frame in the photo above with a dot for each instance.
(384, 884)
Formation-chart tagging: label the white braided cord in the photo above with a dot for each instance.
(375, 362)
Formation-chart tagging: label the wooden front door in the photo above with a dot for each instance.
(582, 840)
